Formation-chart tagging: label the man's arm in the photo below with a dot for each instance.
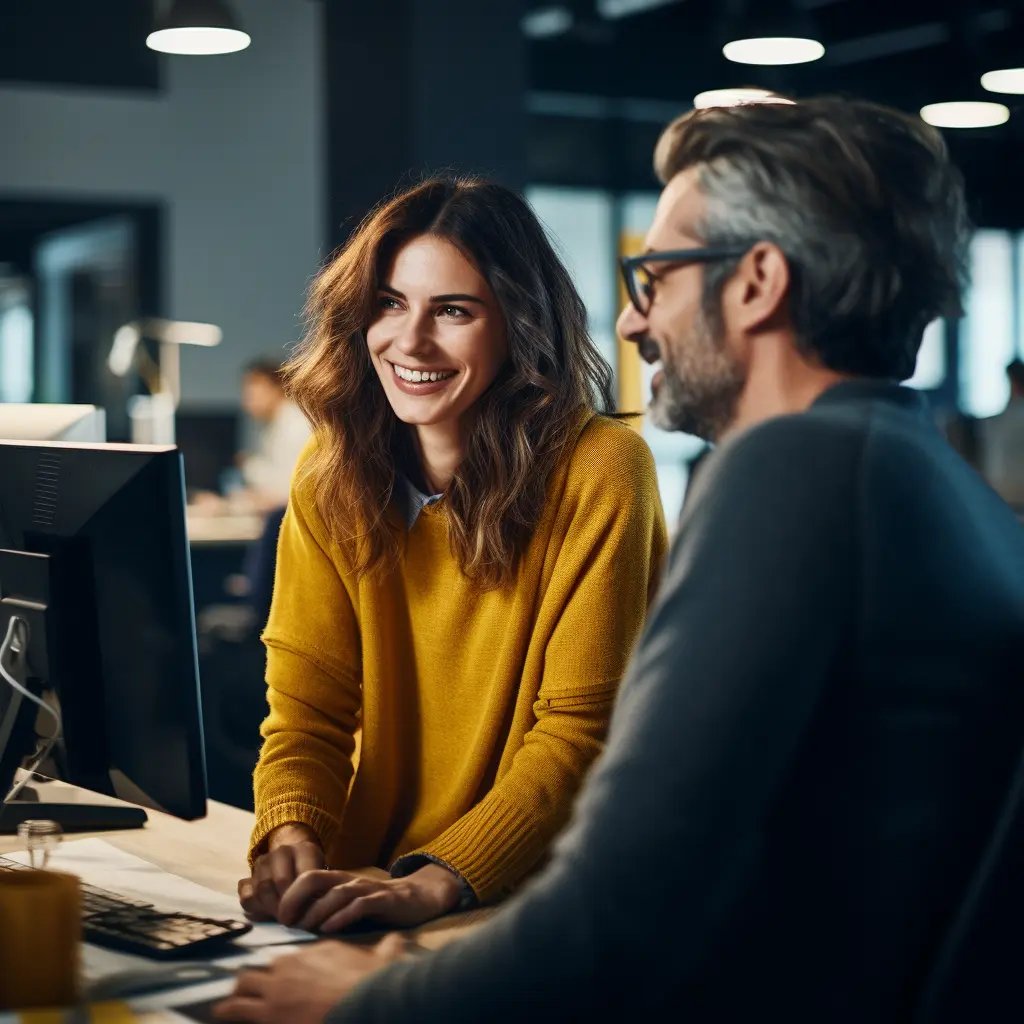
(760, 593)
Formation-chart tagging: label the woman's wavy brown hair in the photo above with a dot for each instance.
(527, 419)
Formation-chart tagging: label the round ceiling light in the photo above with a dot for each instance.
(773, 50)
(198, 41)
(1009, 80)
(734, 97)
(965, 114)
(198, 27)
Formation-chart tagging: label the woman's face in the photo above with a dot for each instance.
(437, 338)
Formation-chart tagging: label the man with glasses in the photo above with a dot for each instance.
(805, 797)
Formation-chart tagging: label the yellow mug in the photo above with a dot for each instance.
(40, 935)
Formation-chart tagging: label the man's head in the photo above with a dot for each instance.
(262, 389)
(846, 231)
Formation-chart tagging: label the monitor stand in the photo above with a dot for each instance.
(77, 817)
(17, 733)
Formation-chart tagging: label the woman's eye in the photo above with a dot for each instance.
(453, 311)
(387, 302)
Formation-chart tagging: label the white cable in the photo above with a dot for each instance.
(44, 752)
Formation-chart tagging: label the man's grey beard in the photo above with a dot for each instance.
(702, 385)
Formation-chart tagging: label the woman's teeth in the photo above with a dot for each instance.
(421, 376)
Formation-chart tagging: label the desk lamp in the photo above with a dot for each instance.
(152, 415)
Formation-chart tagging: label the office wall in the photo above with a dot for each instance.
(233, 146)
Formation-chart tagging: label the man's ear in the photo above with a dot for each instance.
(758, 293)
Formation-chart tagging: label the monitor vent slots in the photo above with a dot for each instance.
(44, 508)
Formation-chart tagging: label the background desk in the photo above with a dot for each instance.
(211, 852)
(207, 530)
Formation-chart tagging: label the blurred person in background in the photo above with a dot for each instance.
(806, 805)
(260, 481)
(465, 564)
(283, 432)
(1002, 442)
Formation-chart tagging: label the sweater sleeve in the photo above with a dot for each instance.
(659, 855)
(313, 683)
(612, 546)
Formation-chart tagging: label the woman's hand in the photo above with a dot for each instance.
(300, 988)
(291, 850)
(328, 901)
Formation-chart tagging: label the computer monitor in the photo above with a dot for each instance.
(40, 422)
(94, 564)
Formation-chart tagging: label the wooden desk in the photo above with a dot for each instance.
(211, 852)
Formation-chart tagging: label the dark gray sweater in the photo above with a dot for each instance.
(805, 759)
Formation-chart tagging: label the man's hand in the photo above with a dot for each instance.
(328, 901)
(300, 988)
(291, 850)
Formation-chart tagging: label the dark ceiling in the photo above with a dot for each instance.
(88, 43)
(600, 91)
(902, 52)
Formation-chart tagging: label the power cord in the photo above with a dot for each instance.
(14, 643)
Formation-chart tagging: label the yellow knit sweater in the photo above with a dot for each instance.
(480, 711)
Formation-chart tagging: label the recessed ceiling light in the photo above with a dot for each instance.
(546, 22)
(1010, 80)
(198, 27)
(773, 50)
(965, 114)
(734, 97)
(624, 8)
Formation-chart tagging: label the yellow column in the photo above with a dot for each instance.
(630, 396)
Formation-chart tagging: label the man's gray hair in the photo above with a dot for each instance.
(862, 200)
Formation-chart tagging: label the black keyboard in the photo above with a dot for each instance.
(134, 926)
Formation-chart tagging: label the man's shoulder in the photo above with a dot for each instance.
(817, 459)
(788, 445)
(841, 431)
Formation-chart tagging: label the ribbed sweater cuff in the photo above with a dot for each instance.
(290, 809)
(492, 847)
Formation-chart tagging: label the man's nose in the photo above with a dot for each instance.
(631, 325)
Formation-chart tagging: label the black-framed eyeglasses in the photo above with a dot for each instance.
(640, 281)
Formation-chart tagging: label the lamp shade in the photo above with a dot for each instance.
(770, 32)
(198, 27)
(965, 114)
(1007, 80)
(773, 50)
(1002, 56)
(736, 97)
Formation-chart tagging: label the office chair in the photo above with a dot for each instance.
(232, 666)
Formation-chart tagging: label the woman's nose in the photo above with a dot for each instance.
(414, 335)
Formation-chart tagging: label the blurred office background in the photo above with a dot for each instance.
(137, 184)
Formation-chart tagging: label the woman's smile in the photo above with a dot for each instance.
(420, 382)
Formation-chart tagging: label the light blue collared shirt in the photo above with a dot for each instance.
(416, 501)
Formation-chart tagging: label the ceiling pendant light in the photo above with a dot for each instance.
(199, 27)
(965, 114)
(1007, 80)
(1002, 55)
(769, 32)
(773, 50)
(735, 97)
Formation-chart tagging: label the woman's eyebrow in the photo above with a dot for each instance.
(457, 298)
(453, 297)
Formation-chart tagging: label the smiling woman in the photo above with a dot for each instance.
(466, 561)
(448, 346)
